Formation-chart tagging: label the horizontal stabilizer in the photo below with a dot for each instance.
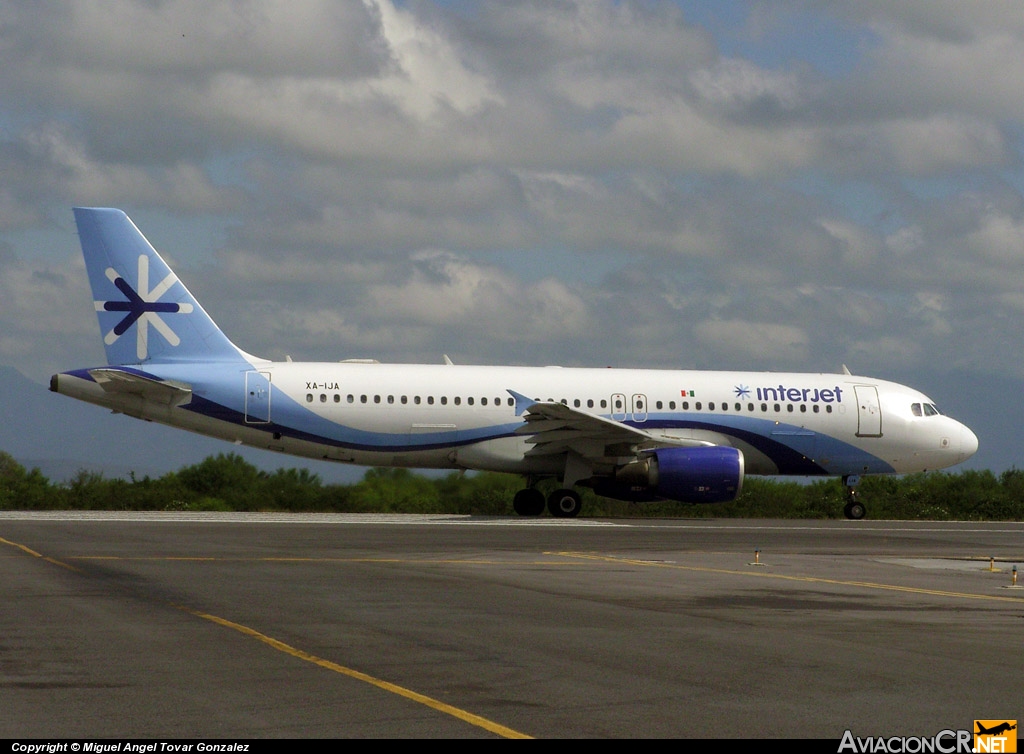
(130, 383)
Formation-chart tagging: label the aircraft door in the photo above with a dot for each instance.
(869, 411)
(618, 406)
(257, 397)
(639, 407)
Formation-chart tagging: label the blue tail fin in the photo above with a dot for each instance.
(146, 314)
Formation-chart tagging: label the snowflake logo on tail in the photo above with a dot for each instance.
(142, 306)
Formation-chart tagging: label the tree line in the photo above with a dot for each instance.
(227, 482)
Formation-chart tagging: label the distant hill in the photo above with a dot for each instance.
(60, 436)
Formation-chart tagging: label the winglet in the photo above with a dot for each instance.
(522, 402)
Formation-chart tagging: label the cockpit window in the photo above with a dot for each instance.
(924, 409)
(930, 410)
(915, 408)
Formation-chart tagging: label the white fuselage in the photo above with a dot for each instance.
(464, 417)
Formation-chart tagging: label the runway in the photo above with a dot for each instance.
(271, 625)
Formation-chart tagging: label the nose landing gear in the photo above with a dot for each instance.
(854, 508)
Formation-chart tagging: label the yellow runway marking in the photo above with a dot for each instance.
(399, 561)
(434, 704)
(571, 558)
(34, 554)
(785, 577)
(469, 717)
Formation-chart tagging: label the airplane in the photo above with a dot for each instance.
(632, 434)
(995, 730)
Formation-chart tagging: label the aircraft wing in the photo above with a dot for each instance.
(130, 383)
(555, 428)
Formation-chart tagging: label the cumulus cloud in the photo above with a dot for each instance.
(580, 182)
(448, 291)
(999, 237)
(754, 339)
(739, 84)
(45, 320)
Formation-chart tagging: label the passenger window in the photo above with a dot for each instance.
(686, 405)
(590, 403)
(362, 399)
(658, 405)
(309, 397)
(351, 398)
(672, 405)
(405, 399)
(416, 400)
(323, 397)
(337, 398)
(430, 400)
(376, 399)
(604, 403)
(444, 400)
(391, 399)
(483, 401)
(576, 403)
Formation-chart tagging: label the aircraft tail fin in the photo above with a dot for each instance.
(146, 314)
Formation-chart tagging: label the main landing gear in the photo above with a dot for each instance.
(854, 508)
(528, 502)
(564, 504)
(561, 503)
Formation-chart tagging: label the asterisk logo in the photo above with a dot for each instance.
(742, 391)
(143, 306)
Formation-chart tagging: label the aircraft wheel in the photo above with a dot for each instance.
(855, 510)
(528, 502)
(564, 504)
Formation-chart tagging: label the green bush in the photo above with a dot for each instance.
(227, 482)
(25, 490)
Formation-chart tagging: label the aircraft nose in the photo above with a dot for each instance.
(968, 443)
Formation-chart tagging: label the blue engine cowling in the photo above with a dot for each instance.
(711, 474)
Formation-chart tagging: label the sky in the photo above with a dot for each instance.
(790, 185)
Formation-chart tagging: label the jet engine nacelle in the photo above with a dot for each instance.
(712, 474)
